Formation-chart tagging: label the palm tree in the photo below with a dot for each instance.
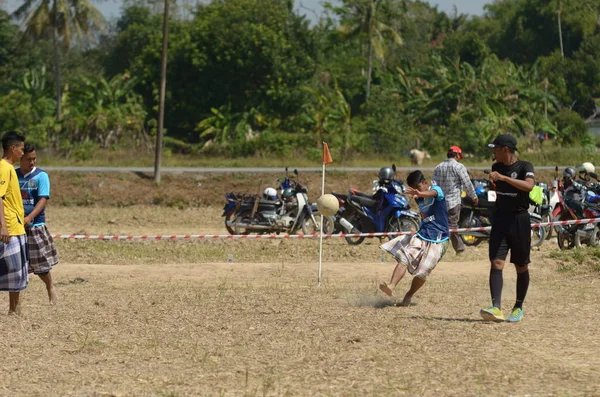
(64, 21)
(558, 13)
(375, 32)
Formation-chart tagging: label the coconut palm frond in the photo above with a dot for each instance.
(390, 33)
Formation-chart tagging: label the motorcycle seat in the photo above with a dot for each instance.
(269, 202)
(591, 205)
(362, 200)
(339, 195)
(361, 194)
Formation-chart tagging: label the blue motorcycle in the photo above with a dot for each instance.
(388, 210)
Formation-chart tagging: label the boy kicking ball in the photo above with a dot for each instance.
(420, 252)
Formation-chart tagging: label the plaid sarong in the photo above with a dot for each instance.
(419, 256)
(42, 252)
(13, 264)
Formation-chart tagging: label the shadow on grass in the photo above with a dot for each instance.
(143, 175)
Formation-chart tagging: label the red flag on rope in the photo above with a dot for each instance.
(326, 154)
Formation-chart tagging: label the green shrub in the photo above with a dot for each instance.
(572, 128)
(178, 146)
(79, 151)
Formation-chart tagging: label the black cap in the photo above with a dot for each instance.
(506, 140)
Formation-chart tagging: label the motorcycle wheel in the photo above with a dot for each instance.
(565, 241)
(471, 241)
(228, 218)
(356, 221)
(403, 224)
(549, 229)
(592, 240)
(595, 238)
(310, 227)
(538, 235)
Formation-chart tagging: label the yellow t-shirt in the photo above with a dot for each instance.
(11, 197)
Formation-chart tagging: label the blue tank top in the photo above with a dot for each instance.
(434, 217)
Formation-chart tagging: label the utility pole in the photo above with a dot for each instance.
(161, 99)
(562, 50)
(546, 98)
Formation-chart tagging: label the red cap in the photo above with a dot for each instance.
(457, 150)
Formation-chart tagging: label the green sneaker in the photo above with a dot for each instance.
(516, 315)
(492, 314)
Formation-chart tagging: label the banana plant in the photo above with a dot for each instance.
(329, 116)
(224, 126)
(34, 82)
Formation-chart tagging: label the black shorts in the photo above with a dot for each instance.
(511, 232)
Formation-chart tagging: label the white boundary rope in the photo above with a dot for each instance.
(293, 236)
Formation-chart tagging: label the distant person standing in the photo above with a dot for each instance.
(35, 191)
(452, 176)
(13, 242)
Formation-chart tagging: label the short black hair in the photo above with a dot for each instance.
(29, 147)
(11, 138)
(452, 154)
(414, 178)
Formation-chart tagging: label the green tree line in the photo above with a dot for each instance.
(256, 78)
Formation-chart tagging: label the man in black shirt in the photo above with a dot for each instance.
(512, 179)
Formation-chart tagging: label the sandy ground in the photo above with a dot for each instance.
(135, 323)
(266, 329)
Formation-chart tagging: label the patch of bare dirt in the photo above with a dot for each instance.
(193, 190)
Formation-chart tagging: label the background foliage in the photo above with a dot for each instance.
(250, 78)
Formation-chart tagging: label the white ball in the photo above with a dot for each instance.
(328, 205)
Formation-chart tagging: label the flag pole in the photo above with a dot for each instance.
(326, 160)
(321, 231)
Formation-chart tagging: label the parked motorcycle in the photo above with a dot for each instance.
(234, 200)
(288, 214)
(565, 235)
(386, 211)
(589, 233)
(589, 208)
(577, 201)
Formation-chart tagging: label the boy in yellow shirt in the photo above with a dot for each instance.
(13, 242)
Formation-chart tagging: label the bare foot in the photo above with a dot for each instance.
(406, 301)
(53, 297)
(15, 312)
(386, 290)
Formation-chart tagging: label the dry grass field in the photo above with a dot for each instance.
(173, 318)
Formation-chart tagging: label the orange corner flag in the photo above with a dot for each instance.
(326, 154)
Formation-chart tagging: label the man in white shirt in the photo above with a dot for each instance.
(452, 177)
